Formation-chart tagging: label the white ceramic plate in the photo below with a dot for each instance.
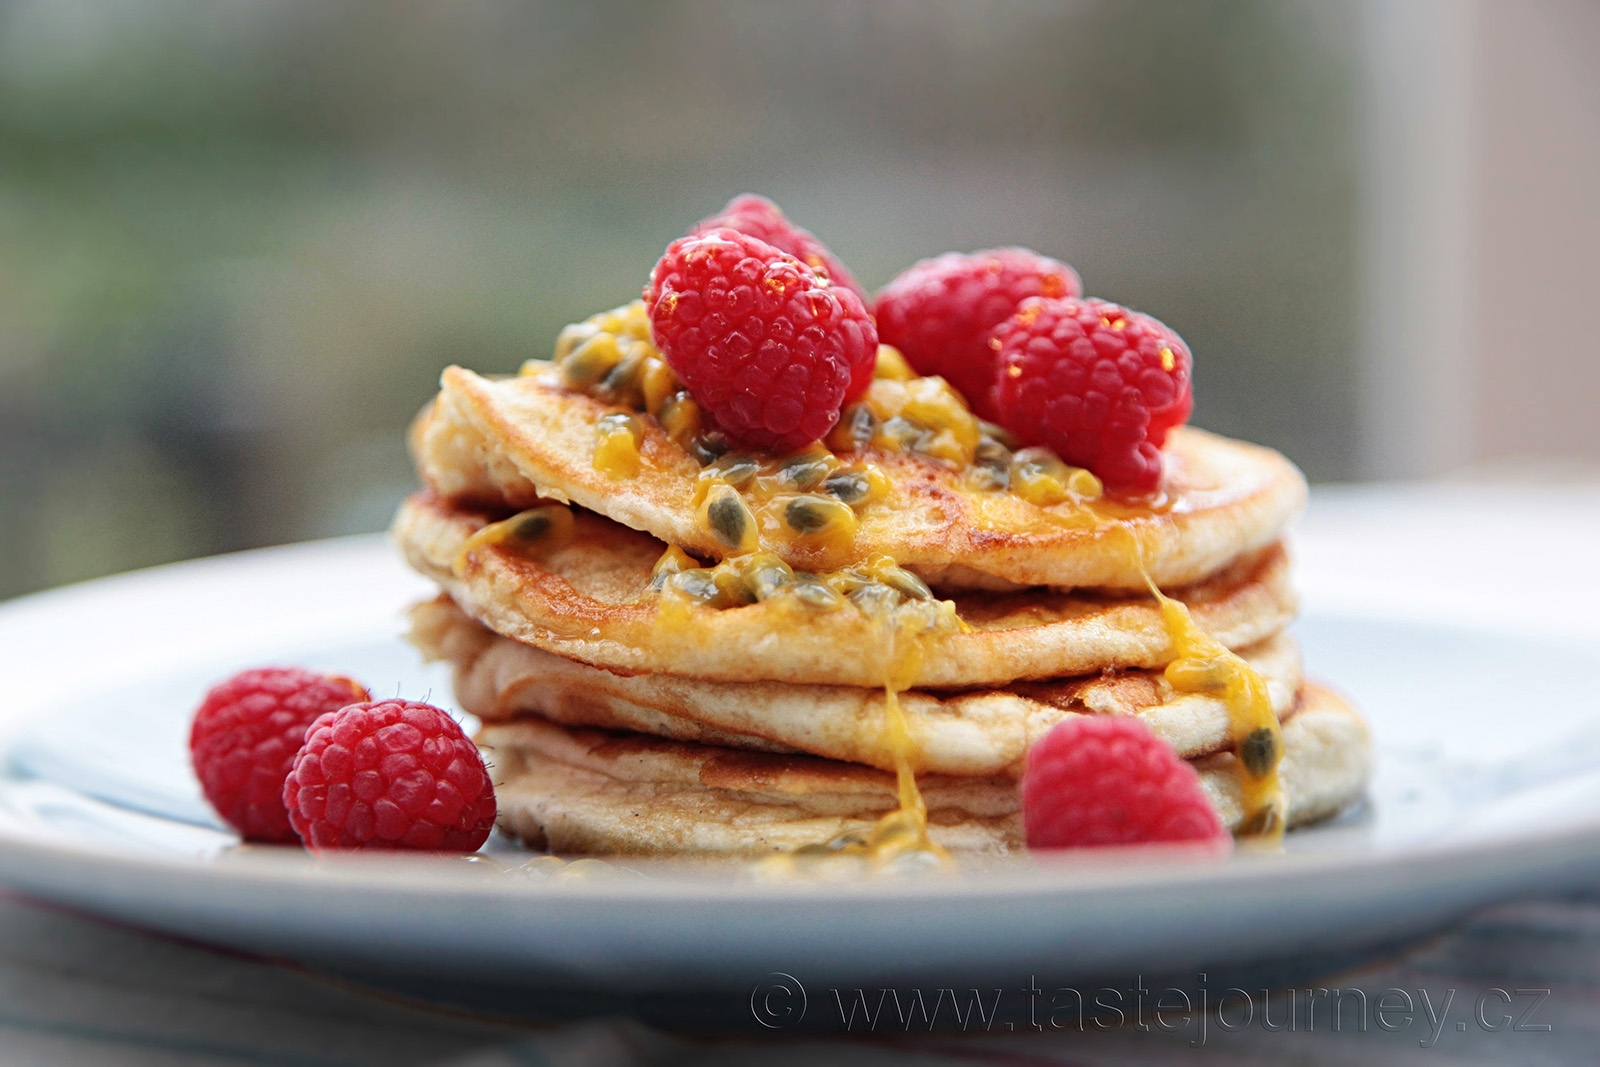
(1488, 785)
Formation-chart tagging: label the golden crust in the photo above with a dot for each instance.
(598, 792)
(516, 441)
(971, 732)
(583, 599)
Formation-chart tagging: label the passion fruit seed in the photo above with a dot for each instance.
(591, 361)
(804, 470)
(733, 589)
(621, 383)
(1259, 752)
(697, 584)
(991, 465)
(903, 582)
(812, 514)
(532, 525)
(875, 599)
(673, 560)
(848, 487)
(999, 434)
(707, 448)
(730, 520)
(767, 574)
(814, 593)
(902, 435)
(738, 469)
(855, 431)
(571, 337)
(679, 416)
(848, 580)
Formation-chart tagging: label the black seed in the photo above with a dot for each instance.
(699, 583)
(906, 434)
(1259, 751)
(849, 487)
(618, 421)
(848, 581)
(734, 589)
(991, 453)
(769, 577)
(737, 469)
(532, 528)
(814, 593)
(730, 519)
(590, 361)
(708, 448)
(804, 471)
(808, 514)
(860, 425)
(904, 582)
(621, 383)
(875, 599)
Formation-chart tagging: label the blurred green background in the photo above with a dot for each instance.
(239, 240)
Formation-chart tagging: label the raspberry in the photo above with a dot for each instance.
(1107, 780)
(940, 311)
(389, 774)
(758, 217)
(765, 347)
(1097, 383)
(244, 738)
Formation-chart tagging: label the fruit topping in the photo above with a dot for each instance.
(766, 347)
(758, 217)
(390, 774)
(1107, 780)
(940, 311)
(1098, 384)
(245, 736)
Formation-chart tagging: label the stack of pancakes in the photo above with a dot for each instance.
(621, 718)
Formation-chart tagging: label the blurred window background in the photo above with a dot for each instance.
(239, 240)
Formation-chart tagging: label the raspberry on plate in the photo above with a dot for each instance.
(1100, 385)
(764, 346)
(1107, 780)
(939, 312)
(756, 216)
(389, 774)
(245, 736)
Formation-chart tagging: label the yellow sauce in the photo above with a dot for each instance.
(1202, 664)
(901, 836)
(543, 526)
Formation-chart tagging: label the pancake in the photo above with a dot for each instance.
(519, 441)
(606, 793)
(584, 597)
(970, 732)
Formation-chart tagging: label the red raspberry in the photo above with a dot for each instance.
(940, 311)
(765, 347)
(244, 738)
(756, 216)
(390, 774)
(1107, 780)
(1097, 383)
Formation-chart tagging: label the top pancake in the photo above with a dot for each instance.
(514, 442)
